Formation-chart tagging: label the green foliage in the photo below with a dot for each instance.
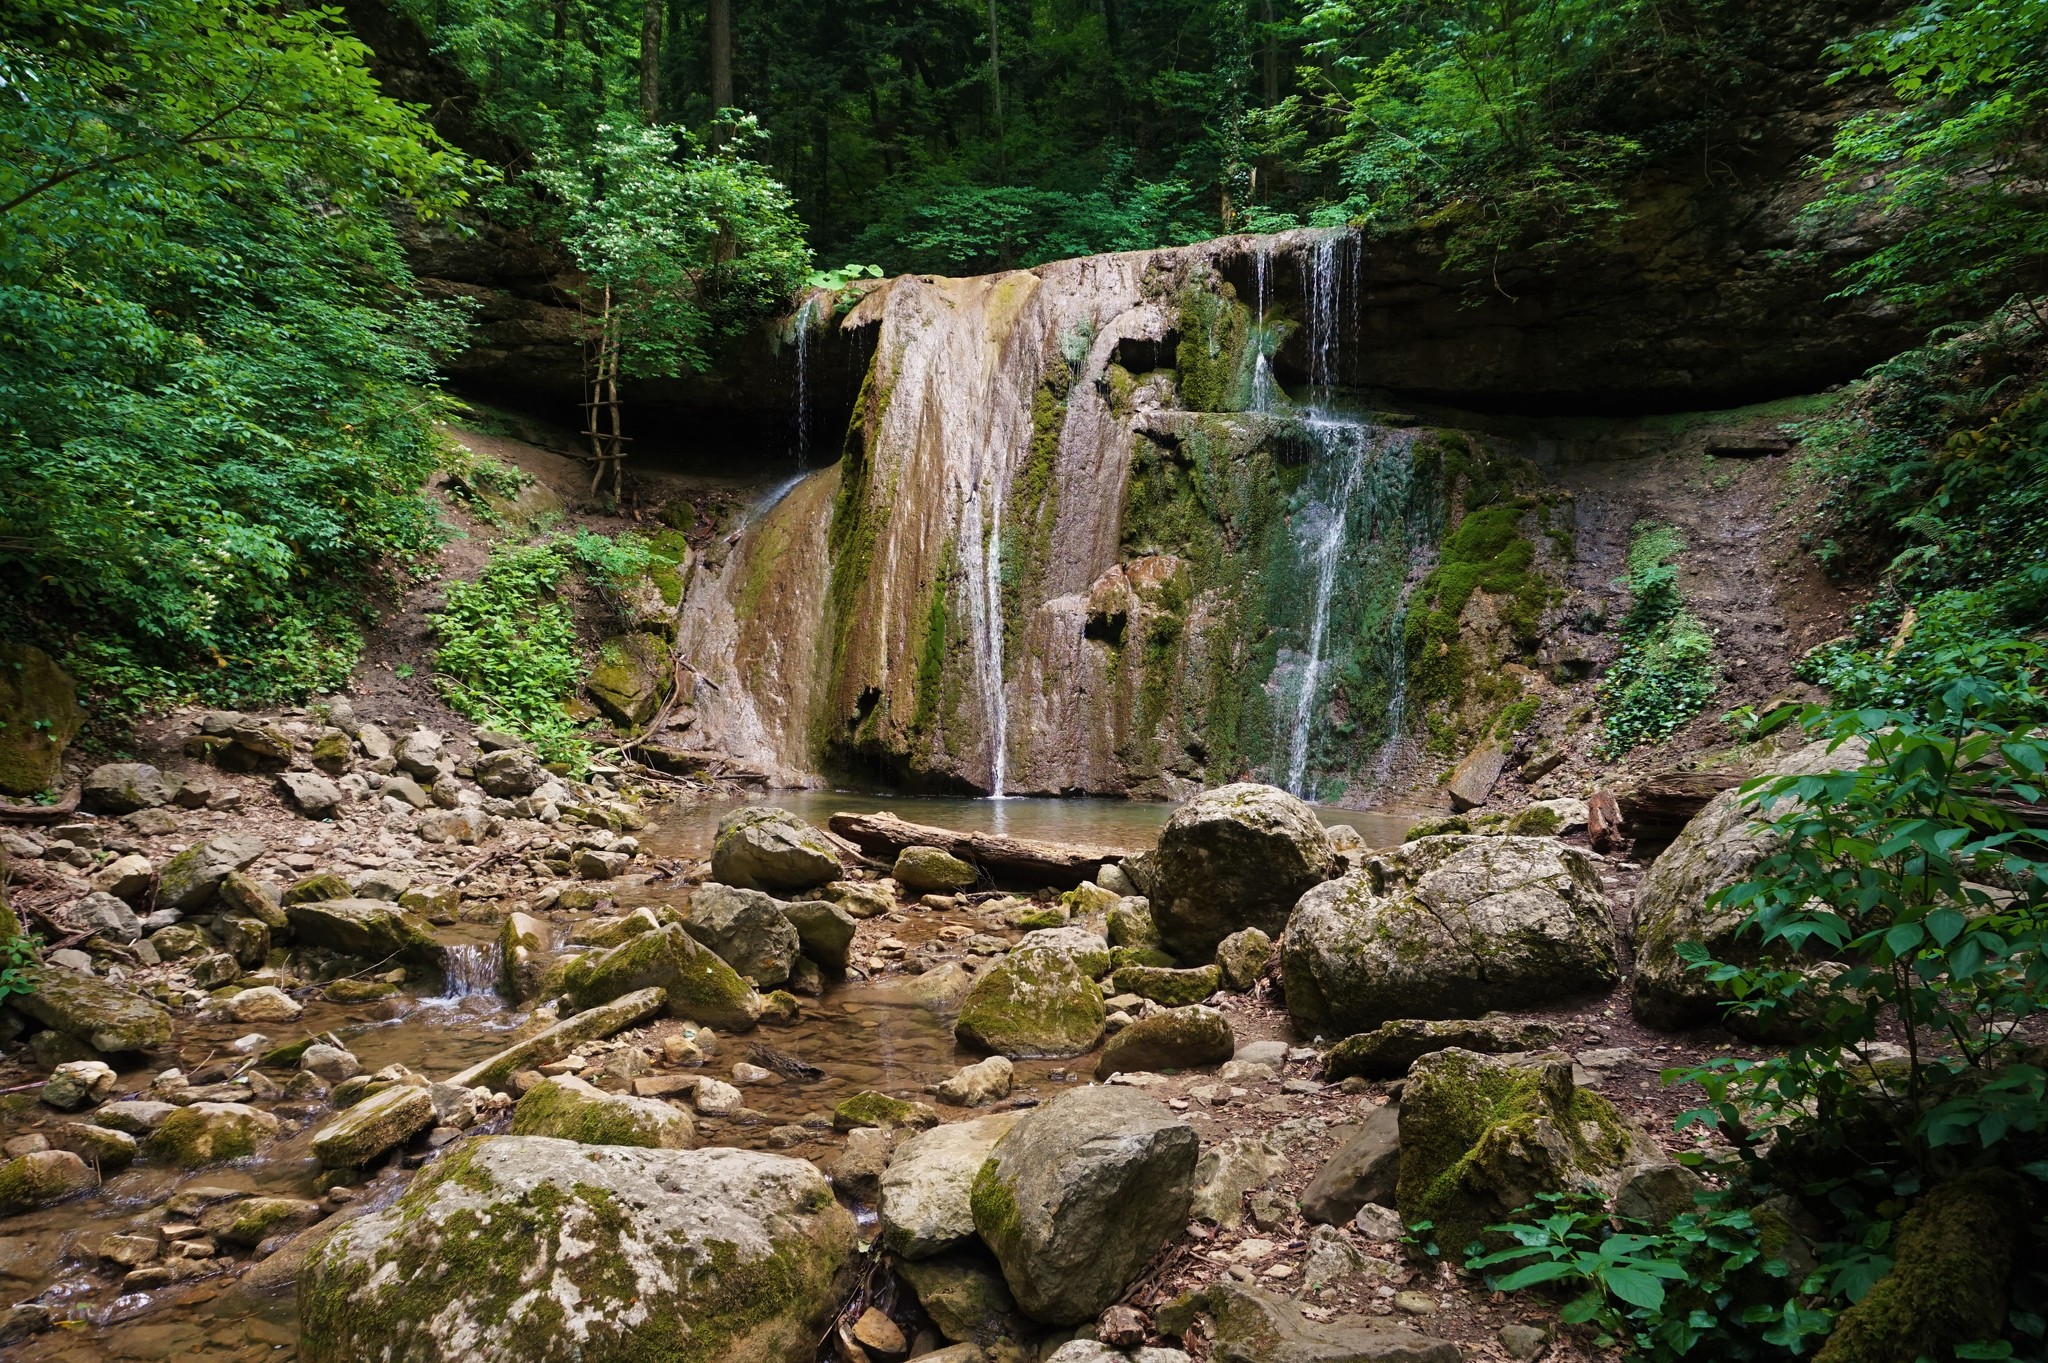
(1923, 871)
(1703, 1286)
(1954, 160)
(1932, 476)
(1664, 673)
(20, 964)
(212, 424)
(508, 656)
(688, 244)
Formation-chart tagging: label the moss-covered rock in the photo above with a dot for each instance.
(570, 1109)
(377, 1123)
(1175, 1039)
(1387, 1052)
(1450, 926)
(247, 1222)
(190, 880)
(552, 1043)
(105, 1147)
(1719, 848)
(1948, 1281)
(1088, 899)
(1481, 1136)
(368, 929)
(523, 956)
(964, 1293)
(747, 929)
(39, 716)
(101, 1015)
(698, 1256)
(1032, 1003)
(1130, 923)
(41, 1177)
(243, 894)
(630, 679)
(762, 847)
(210, 1133)
(695, 983)
(869, 1108)
(316, 887)
(1077, 1197)
(1174, 988)
(1243, 957)
(1235, 857)
(924, 1192)
(1084, 948)
(932, 870)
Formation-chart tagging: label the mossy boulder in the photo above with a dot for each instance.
(630, 679)
(1481, 1136)
(523, 956)
(210, 1133)
(747, 929)
(386, 1118)
(1174, 988)
(1387, 1052)
(524, 1249)
(932, 870)
(1084, 948)
(247, 1222)
(1450, 926)
(1235, 857)
(1720, 847)
(925, 1207)
(1130, 923)
(191, 879)
(40, 1178)
(825, 929)
(368, 929)
(39, 716)
(1088, 899)
(321, 885)
(1176, 1039)
(101, 1015)
(124, 787)
(762, 847)
(870, 1108)
(1948, 1281)
(1243, 957)
(1032, 1003)
(1078, 1196)
(964, 1293)
(243, 894)
(696, 984)
(570, 1109)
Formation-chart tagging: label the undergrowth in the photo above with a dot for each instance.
(1664, 674)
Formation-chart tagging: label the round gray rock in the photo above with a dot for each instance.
(1454, 926)
(765, 848)
(1079, 1195)
(1235, 857)
(747, 929)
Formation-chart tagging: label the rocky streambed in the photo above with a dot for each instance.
(527, 1067)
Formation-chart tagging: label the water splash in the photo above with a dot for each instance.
(469, 971)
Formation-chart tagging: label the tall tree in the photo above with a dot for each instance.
(650, 60)
(719, 22)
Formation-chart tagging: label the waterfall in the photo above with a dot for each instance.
(806, 318)
(981, 547)
(1328, 534)
(470, 970)
(1263, 387)
(1323, 285)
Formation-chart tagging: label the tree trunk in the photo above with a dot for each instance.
(995, 81)
(1272, 59)
(720, 12)
(650, 60)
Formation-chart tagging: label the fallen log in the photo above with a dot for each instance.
(1023, 861)
(11, 812)
(557, 1041)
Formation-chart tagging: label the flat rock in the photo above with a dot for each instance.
(1387, 1052)
(379, 1122)
(1254, 1326)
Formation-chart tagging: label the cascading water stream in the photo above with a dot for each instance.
(469, 970)
(806, 318)
(1263, 388)
(1326, 552)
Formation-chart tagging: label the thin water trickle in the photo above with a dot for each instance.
(1345, 444)
(470, 970)
(981, 541)
(1264, 391)
(806, 318)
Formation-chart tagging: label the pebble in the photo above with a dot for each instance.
(743, 1073)
(1521, 1341)
(1415, 1303)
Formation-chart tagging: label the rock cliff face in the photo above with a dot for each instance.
(1078, 540)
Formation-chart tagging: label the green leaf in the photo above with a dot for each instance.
(1634, 1287)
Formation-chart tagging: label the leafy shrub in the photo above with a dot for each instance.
(508, 654)
(1664, 673)
(19, 966)
(1703, 1283)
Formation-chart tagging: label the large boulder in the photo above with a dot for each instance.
(1171, 1039)
(630, 678)
(209, 1133)
(1032, 1003)
(1453, 926)
(572, 1110)
(40, 1178)
(765, 848)
(1252, 1326)
(372, 929)
(825, 929)
(924, 1191)
(698, 985)
(104, 1016)
(39, 716)
(124, 787)
(1719, 848)
(933, 870)
(747, 929)
(523, 1249)
(1080, 1194)
(1481, 1136)
(192, 878)
(1388, 1052)
(1235, 857)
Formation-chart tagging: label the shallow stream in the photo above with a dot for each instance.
(863, 1035)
